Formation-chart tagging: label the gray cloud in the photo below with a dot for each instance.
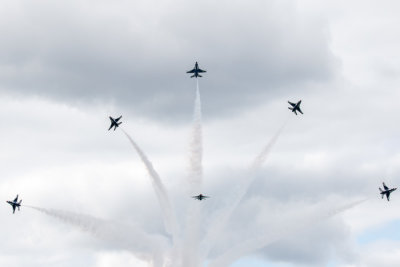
(79, 53)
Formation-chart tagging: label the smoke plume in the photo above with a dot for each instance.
(190, 253)
(290, 227)
(241, 190)
(170, 222)
(118, 235)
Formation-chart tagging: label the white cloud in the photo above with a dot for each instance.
(117, 258)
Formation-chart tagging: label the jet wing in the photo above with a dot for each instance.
(117, 119)
(16, 199)
(191, 71)
(293, 104)
(13, 208)
(388, 196)
(201, 71)
(111, 126)
(384, 186)
(196, 197)
(298, 108)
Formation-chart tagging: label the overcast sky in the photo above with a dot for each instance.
(65, 66)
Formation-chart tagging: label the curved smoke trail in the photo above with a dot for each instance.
(265, 239)
(190, 252)
(170, 222)
(241, 190)
(121, 236)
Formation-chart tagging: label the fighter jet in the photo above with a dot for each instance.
(295, 107)
(200, 197)
(114, 122)
(386, 191)
(15, 203)
(196, 71)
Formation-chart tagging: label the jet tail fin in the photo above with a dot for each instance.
(290, 108)
(20, 202)
(119, 123)
(192, 76)
(199, 75)
(380, 189)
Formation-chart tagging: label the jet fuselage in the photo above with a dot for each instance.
(196, 71)
(114, 122)
(14, 204)
(200, 197)
(295, 107)
(388, 191)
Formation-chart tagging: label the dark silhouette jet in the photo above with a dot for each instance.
(114, 122)
(386, 191)
(200, 197)
(295, 107)
(196, 71)
(15, 204)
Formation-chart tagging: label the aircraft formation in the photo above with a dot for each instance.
(295, 107)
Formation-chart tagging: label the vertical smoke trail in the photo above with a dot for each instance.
(196, 146)
(170, 222)
(190, 253)
(265, 239)
(118, 235)
(242, 188)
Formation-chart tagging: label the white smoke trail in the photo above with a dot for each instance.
(170, 222)
(260, 159)
(196, 146)
(120, 236)
(190, 252)
(242, 188)
(292, 227)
